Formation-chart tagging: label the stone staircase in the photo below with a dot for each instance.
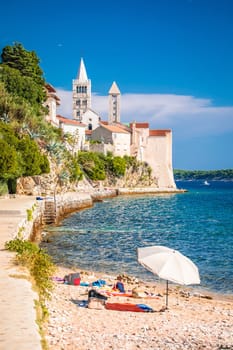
(49, 213)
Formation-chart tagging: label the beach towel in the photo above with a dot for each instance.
(99, 283)
(128, 307)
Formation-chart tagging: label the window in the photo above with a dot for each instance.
(90, 126)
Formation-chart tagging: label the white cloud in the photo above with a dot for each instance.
(187, 116)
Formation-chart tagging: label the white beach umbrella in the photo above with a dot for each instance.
(169, 264)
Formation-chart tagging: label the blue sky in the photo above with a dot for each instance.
(172, 61)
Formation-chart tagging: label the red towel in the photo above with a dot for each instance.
(123, 307)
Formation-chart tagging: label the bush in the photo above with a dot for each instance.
(37, 261)
(3, 188)
(92, 165)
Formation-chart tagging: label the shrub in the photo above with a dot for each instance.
(37, 261)
(3, 188)
(29, 214)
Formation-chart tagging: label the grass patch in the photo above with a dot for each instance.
(41, 268)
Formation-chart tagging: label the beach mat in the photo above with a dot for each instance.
(128, 307)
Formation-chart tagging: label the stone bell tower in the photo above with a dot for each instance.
(114, 104)
(81, 93)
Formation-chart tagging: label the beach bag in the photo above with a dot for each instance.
(72, 279)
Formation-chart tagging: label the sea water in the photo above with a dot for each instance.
(198, 223)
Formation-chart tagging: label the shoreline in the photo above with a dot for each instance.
(208, 293)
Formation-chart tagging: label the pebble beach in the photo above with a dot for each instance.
(192, 320)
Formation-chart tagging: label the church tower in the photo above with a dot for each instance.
(114, 104)
(81, 93)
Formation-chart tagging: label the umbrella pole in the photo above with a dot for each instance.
(167, 296)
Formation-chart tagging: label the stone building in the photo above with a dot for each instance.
(155, 148)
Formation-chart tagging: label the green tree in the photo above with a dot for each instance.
(24, 61)
(19, 85)
(21, 74)
(8, 161)
(32, 158)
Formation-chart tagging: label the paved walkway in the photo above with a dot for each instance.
(18, 329)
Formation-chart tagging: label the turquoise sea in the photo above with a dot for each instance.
(198, 223)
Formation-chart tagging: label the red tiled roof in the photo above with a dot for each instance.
(158, 132)
(114, 128)
(69, 121)
(49, 87)
(104, 122)
(88, 132)
(140, 125)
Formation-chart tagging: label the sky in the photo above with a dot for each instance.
(171, 59)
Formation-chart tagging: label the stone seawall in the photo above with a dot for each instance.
(148, 190)
(70, 202)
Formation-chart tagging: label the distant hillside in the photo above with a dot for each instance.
(225, 174)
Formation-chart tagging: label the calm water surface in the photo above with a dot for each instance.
(198, 223)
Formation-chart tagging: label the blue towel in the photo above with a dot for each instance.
(145, 307)
(84, 284)
(99, 283)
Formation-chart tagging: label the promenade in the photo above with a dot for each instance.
(18, 328)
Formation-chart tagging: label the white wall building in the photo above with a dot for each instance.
(91, 119)
(74, 128)
(155, 148)
(51, 103)
(114, 135)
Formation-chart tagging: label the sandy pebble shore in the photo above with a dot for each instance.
(192, 321)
